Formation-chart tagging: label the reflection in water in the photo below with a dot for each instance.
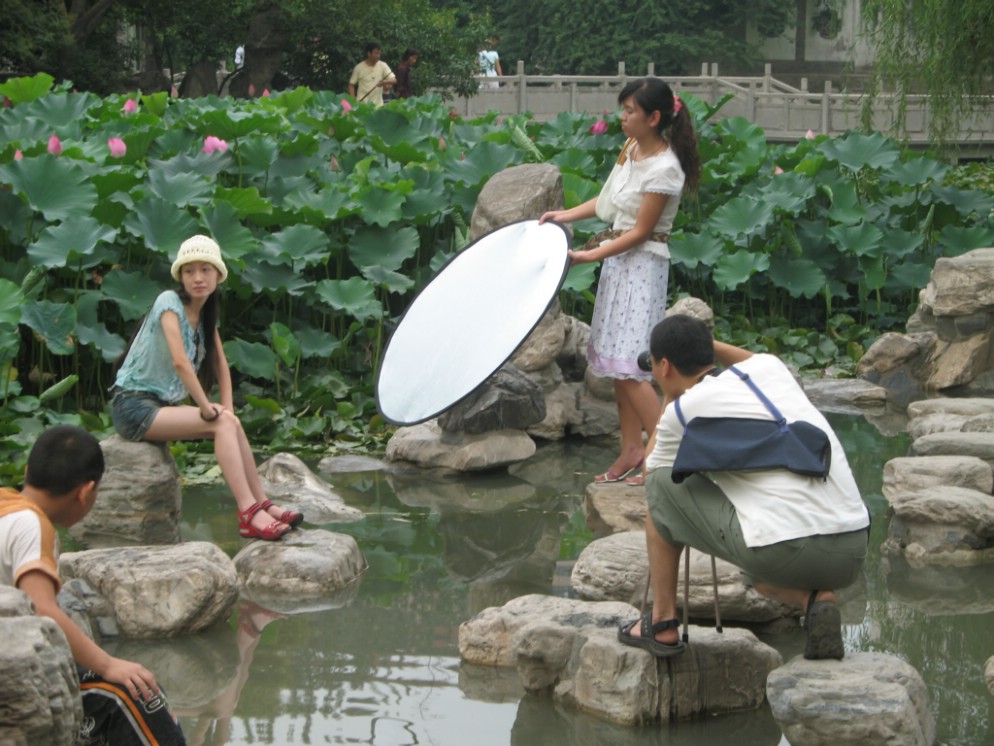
(384, 669)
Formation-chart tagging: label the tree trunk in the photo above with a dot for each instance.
(84, 18)
(263, 51)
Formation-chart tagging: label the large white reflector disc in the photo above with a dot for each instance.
(470, 319)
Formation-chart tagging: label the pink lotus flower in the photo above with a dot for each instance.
(117, 147)
(777, 171)
(7, 103)
(346, 106)
(334, 164)
(54, 145)
(500, 121)
(212, 144)
(442, 145)
(18, 155)
(598, 128)
(130, 107)
(810, 135)
(174, 92)
(251, 89)
(265, 93)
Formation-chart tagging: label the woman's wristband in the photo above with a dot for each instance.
(217, 413)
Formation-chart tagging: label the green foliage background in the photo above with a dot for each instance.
(331, 220)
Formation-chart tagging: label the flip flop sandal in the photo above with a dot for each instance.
(823, 624)
(648, 632)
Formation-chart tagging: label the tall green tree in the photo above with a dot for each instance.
(942, 49)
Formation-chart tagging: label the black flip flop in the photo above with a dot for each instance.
(648, 640)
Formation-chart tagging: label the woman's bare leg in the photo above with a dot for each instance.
(638, 412)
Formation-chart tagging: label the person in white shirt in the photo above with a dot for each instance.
(489, 62)
(796, 538)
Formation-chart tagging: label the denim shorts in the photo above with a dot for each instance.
(133, 412)
(696, 512)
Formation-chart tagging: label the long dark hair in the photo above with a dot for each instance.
(207, 374)
(653, 94)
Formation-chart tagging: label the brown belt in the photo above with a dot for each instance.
(610, 233)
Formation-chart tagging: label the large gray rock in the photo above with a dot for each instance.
(288, 482)
(942, 524)
(611, 508)
(961, 285)
(965, 407)
(937, 422)
(914, 473)
(849, 395)
(542, 347)
(514, 194)
(615, 568)
(937, 590)
(139, 499)
(428, 446)
(309, 569)
(866, 698)
(39, 689)
(569, 649)
(572, 357)
(509, 399)
(989, 674)
(158, 591)
(980, 445)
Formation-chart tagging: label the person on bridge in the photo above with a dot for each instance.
(640, 199)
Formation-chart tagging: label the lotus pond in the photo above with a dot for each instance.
(380, 664)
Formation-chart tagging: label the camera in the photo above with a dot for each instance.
(644, 360)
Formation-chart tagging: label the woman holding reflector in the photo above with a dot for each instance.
(640, 199)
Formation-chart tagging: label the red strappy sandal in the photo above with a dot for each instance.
(274, 531)
(292, 518)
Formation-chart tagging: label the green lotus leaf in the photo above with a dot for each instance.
(735, 269)
(113, 182)
(788, 192)
(355, 296)
(26, 89)
(915, 172)
(956, 240)
(316, 342)
(379, 206)
(299, 246)
(741, 215)
(580, 277)
(578, 189)
(966, 201)
(156, 103)
(856, 151)
(133, 292)
(69, 241)
(258, 154)
(251, 358)
(183, 163)
(326, 205)
(874, 271)
(285, 344)
(392, 127)
(54, 323)
(394, 282)
(481, 162)
(58, 390)
(799, 277)
(745, 131)
(293, 100)
(846, 207)
(92, 331)
(180, 189)
(160, 225)
(263, 276)
(912, 274)
(229, 124)
(898, 242)
(236, 241)
(248, 202)
(691, 249)
(11, 299)
(55, 187)
(63, 110)
(860, 240)
(372, 245)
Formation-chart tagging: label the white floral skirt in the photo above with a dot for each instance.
(631, 299)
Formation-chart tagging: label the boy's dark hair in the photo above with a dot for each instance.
(685, 341)
(64, 457)
(372, 47)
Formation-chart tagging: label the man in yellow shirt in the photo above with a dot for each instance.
(372, 76)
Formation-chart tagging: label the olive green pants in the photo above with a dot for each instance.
(696, 512)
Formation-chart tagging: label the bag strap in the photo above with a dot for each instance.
(780, 419)
(679, 413)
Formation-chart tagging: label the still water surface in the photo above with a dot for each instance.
(380, 664)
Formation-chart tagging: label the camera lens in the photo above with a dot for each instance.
(645, 360)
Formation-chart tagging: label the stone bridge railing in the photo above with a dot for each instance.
(784, 112)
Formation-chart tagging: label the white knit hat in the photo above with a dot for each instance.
(200, 249)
